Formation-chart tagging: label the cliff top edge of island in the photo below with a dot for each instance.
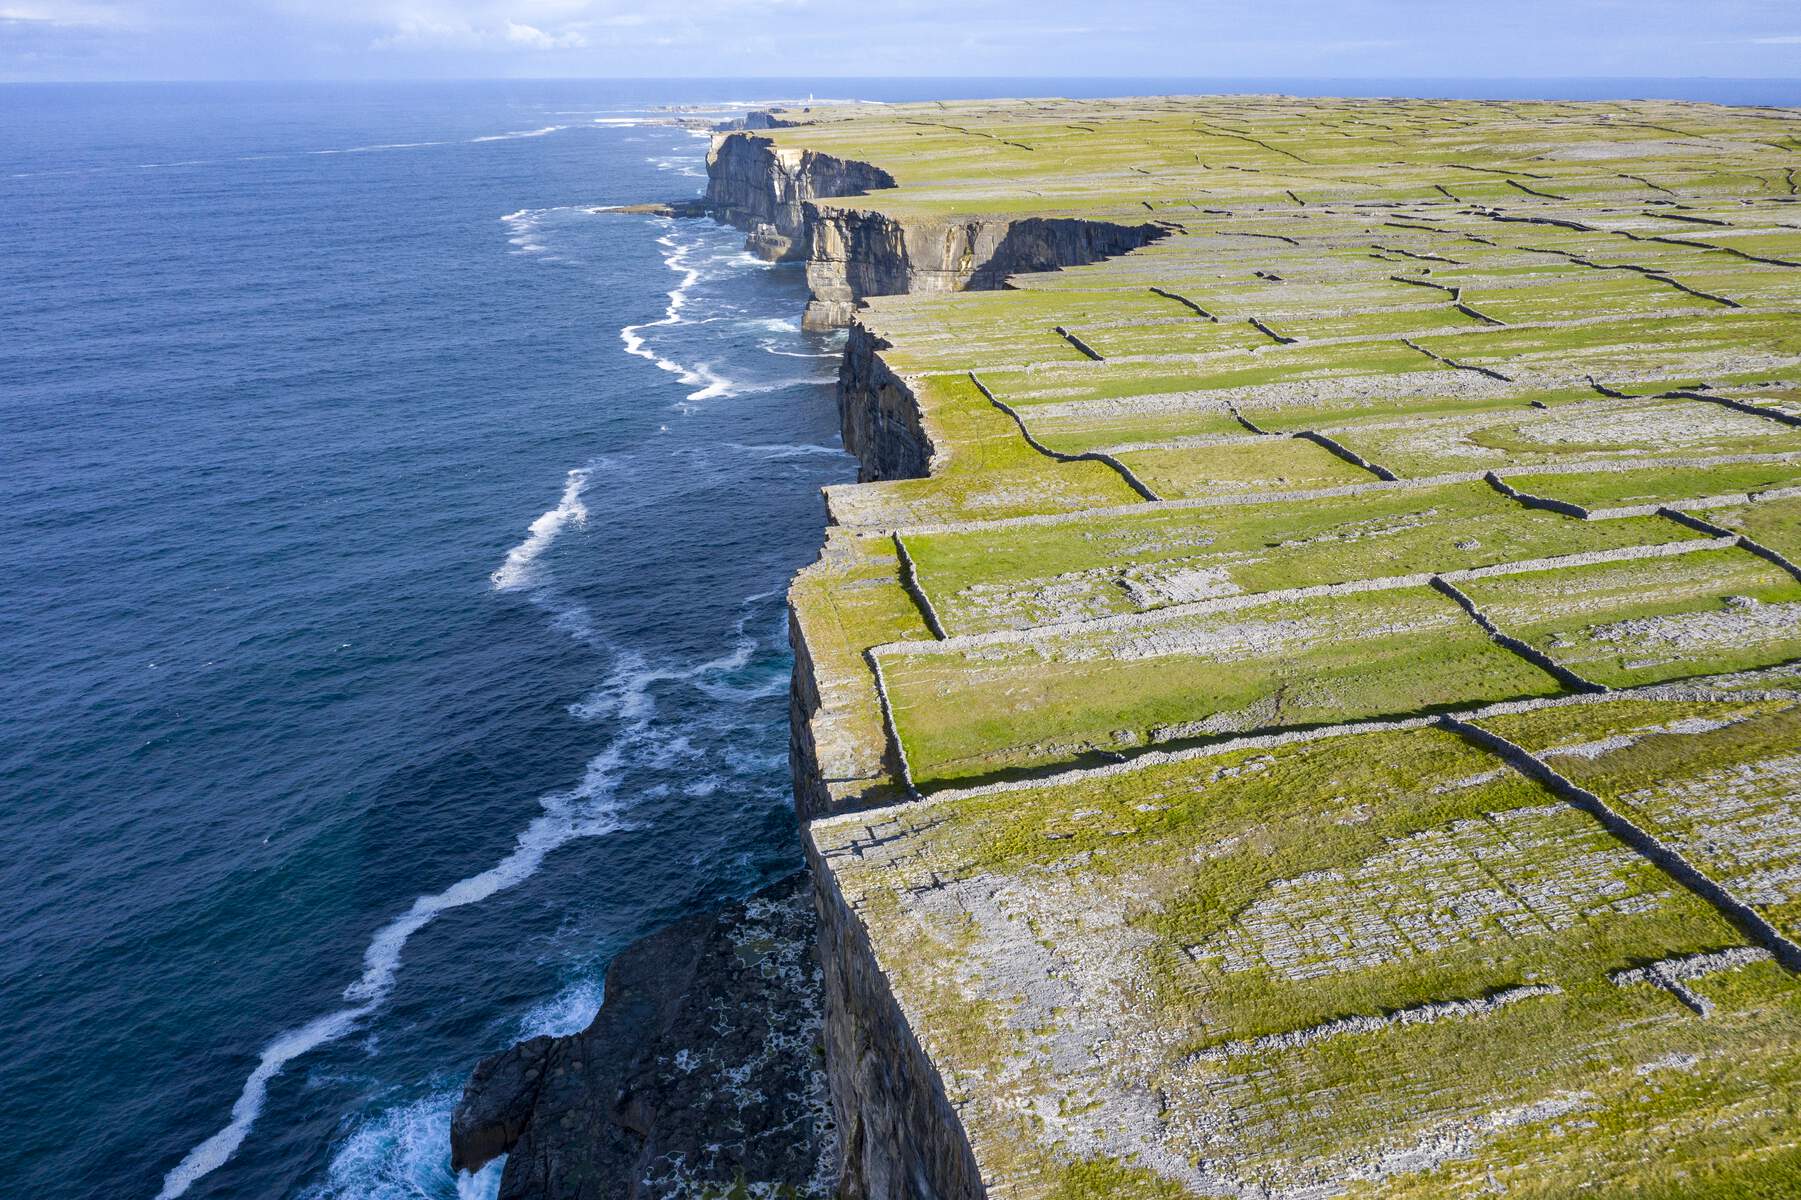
(1304, 701)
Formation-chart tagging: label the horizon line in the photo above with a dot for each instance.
(1379, 78)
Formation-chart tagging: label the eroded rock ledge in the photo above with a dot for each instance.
(701, 1071)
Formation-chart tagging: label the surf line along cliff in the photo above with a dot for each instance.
(760, 1042)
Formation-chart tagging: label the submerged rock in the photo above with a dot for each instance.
(701, 1071)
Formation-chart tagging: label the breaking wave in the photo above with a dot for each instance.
(519, 133)
(403, 1154)
(520, 568)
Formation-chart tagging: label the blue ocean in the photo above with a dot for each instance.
(391, 601)
(393, 607)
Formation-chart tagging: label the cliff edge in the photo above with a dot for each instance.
(780, 196)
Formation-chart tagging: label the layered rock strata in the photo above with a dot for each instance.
(774, 193)
(764, 190)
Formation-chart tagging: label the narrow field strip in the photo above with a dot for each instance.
(1125, 472)
(1645, 843)
(1079, 515)
(1150, 618)
(1531, 654)
(1690, 692)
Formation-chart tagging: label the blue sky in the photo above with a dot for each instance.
(1378, 39)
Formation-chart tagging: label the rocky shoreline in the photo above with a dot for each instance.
(701, 1073)
(756, 1050)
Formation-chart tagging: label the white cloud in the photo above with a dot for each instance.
(58, 12)
(531, 37)
(1784, 39)
(462, 26)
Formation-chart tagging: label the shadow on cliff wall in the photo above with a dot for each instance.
(1052, 243)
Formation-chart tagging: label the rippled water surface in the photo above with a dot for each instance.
(393, 622)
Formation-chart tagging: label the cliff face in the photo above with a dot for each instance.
(878, 413)
(852, 254)
(773, 193)
(763, 189)
(901, 1139)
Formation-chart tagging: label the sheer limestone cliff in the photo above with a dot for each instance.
(853, 254)
(1305, 700)
(1311, 707)
(776, 194)
(764, 189)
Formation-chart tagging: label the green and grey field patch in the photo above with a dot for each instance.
(1075, 693)
(982, 579)
(1398, 801)
(1618, 624)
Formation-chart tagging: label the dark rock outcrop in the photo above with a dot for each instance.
(703, 1068)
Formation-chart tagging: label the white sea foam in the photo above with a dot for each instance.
(713, 384)
(686, 164)
(569, 1011)
(588, 809)
(626, 693)
(749, 762)
(523, 228)
(211, 1154)
(779, 450)
(769, 346)
(707, 383)
(403, 1154)
(380, 146)
(519, 133)
(520, 568)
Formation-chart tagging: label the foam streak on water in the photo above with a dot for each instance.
(681, 247)
(520, 133)
(519, 569)
(419, 602)
(586, 810)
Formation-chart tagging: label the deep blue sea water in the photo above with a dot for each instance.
(391, 598)
(392, 621)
